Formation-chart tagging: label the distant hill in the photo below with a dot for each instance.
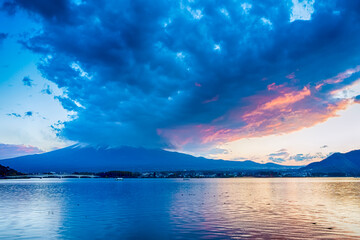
(97, 159)
(348, 163)
(6, 171)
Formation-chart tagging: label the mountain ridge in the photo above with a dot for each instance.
(88, 158)
(337, 163)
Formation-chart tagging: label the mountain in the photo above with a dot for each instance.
(6, 171)
(96, 159)
(348, 163)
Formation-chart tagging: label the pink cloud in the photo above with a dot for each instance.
(286, 111)
(277, 110)
(337, 91)
(12, 150)
(286, 99)
(291, 76)
(273, 86)
(214, 99)
(338, 78)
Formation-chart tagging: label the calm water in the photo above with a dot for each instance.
(327, 208)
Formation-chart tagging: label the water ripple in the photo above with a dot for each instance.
(298, 208)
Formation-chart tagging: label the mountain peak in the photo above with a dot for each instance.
(337, 163)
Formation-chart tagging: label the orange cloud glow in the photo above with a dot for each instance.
(280, 110)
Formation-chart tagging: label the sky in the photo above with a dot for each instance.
(268, 81)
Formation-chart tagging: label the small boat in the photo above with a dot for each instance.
(119, 179)
(186, 179)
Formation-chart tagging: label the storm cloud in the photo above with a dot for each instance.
(192, 74)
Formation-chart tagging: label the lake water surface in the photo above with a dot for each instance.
(237, 208)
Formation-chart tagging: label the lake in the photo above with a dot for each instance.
(236, 208)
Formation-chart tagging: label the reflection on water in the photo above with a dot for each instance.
(242, 208)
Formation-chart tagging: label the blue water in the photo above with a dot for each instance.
(175, 209)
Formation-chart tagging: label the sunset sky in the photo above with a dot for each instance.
(268, 81)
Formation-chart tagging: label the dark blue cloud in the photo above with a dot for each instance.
(28, 114)
(67, 103)
(357, 99)
(277, 159)
(3, 36)
(14, 115)
(283, 156)
(27, 81)
(130, 68)
(55, 11)
(47, 90)
(279, 156)
(9, 7)
(305, 157)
